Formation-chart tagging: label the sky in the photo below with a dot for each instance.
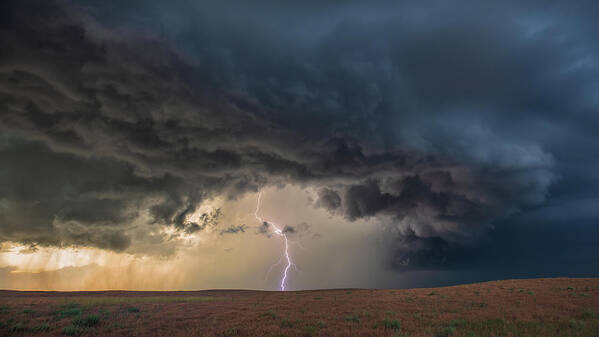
(394, 144)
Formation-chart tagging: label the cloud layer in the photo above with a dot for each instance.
(119, 120)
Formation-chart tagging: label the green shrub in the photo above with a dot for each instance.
(392, 324)
(457, 323)
(452, 327)
(446, 331)
(68, 310)
(352, 318)
(88, 321)
(44, 327)
(589, 314)
(133, 309)
(270, 314)
(72, 330)
(286, 323)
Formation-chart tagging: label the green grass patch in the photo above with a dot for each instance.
(576, 324)
(285, 323)
(68, 310)
(232, 332)
(29, 311)
(44, 327)
(499, 327)
(451, 327)
(17, 327)
(589, 314)
(352, 318)
(117, 325)
(104, 313)
(391, 324)
(457, 323)
(270, 314)
(446, 331)
(87, 321)
(309, 330)
(133, 309)
(72, 330)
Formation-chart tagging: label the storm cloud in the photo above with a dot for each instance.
(440, 123)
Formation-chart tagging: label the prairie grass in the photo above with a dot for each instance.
(44, 327)
(391, 324)
(285, 323)
(588, 313)
(352, 318)
(90, 301)
(133, 309)
(87, 321)
(72, 330)
(310, 330)
(454, 312)
(68, 310)
(270, 313)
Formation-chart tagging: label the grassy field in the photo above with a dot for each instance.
(92, 301)
(537, 307)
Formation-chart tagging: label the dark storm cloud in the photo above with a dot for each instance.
(329, 199)
(264, 228)
(296, 229)
(234, 229)
(440, 119)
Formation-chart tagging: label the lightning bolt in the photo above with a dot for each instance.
(278, 231)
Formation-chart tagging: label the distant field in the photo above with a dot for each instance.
(537, 307)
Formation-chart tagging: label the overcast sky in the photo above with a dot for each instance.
(400, 143)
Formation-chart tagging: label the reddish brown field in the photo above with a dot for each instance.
(538, 307)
